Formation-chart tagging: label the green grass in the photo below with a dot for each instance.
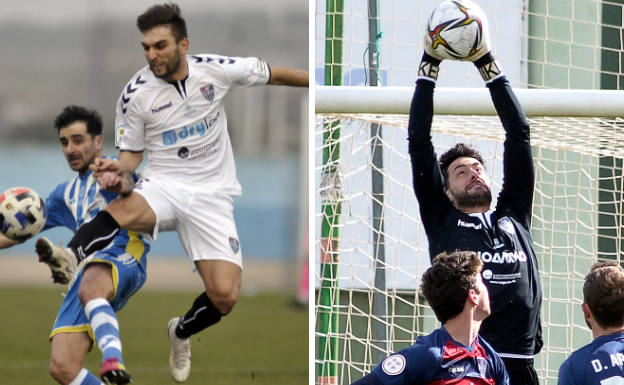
(263, 341)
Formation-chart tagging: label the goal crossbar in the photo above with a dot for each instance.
(469, 101)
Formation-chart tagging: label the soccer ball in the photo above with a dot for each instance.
(455, 29)
(22, 213)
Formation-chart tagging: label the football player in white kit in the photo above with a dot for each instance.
(172, 109)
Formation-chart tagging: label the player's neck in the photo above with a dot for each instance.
(473, 209)
(463, 328)
(598, 331)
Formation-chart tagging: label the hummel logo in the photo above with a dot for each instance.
(461, 223)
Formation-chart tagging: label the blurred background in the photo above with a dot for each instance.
(86, 51)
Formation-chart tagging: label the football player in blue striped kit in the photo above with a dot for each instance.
(106, 279)
(601, 361)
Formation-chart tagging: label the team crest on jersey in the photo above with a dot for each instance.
(234, 244)
(208, 92)
(393, 365)
(483, 365)
(505, 224)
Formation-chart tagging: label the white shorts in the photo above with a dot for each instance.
(204, 220)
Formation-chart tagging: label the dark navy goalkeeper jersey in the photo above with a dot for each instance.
(599, 363)
(437, 359)
(500, 236)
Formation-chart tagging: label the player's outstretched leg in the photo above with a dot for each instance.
(106, 332)
(180, 355)
(59, 260)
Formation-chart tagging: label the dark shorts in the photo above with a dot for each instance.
(521, 371)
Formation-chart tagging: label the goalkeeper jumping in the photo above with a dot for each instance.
(454, 195)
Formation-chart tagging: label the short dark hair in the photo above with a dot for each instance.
(73, 113)
(163, 14)
(457, 151)
(447, 282)
(603, 292)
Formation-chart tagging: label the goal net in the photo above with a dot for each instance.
(370, 245)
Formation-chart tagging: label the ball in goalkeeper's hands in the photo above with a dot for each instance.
(457, 30)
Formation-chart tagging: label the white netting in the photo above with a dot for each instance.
(577, 217)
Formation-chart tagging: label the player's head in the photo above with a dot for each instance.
(465, 180)
(453, 281)
(603, 293)
(164, 40)
(80, 134)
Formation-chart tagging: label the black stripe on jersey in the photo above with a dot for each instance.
(125, 96)
(180, 87)
(208, 59)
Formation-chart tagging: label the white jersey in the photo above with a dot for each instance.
(182, 126)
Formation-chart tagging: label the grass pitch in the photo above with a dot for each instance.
(263, 341)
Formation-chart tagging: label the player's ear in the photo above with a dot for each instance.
(184, 45)
(473, 297)
(449, 195)
(98, 142)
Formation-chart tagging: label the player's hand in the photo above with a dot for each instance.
(101, 165)
(110, 181)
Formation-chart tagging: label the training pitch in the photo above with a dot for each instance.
(263, 341)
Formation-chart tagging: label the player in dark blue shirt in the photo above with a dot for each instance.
(454, 353)
(602, 361)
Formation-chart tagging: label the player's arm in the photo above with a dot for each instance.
(369, 379)
(117, 174)
(426, 175)
(286, 76)
(6, 242)
(518, 171)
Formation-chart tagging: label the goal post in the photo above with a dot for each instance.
(577, 211)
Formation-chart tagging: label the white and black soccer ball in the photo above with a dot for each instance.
(455, 29)
(22, 213)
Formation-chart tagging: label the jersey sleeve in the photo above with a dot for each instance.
(129, 120)
(502, 377)
(518, 171)
(58, 213)
(369, 379)
(411, 366)
(246, 72)
(565, 376)
(426, 174)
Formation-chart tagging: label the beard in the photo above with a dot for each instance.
(171, 67)
(478, 198)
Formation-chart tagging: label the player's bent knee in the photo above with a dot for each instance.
(223, 301)
(62, 371)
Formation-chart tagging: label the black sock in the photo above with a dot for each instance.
(94, 235)
(203, 313)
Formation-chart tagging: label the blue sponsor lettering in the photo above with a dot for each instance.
(170, 137)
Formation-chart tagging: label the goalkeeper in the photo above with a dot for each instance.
(455, 198)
